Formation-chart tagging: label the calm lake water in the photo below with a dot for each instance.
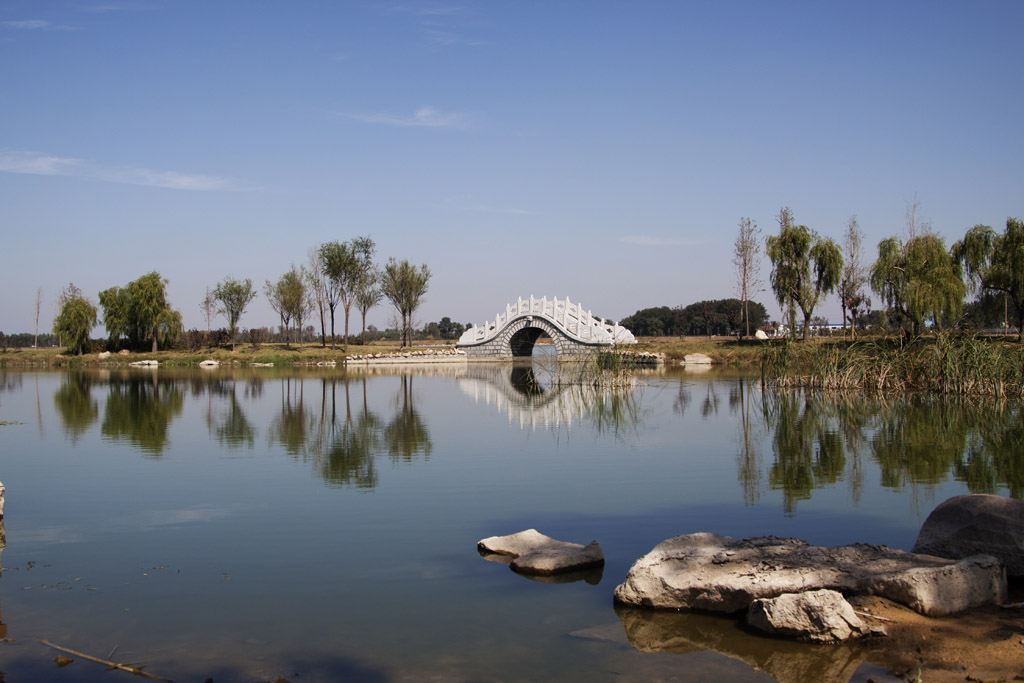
(322, 525)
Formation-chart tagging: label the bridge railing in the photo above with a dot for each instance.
(571, 318)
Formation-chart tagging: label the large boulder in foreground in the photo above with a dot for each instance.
(721, 574)
(976, 524)
(822, 616)
(535, 553)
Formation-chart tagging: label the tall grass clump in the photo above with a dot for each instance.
(947, 364)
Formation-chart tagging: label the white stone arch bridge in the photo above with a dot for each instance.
(514, 331)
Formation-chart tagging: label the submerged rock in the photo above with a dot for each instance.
(696, 359)
(822, 616)
(721, 574)
(535, 553)
(968, 525)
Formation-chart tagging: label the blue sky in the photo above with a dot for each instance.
(603, 151)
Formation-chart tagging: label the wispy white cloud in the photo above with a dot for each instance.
(34, 163)
(13, 161)
(36, 25)
(649, 241)
(424, 117)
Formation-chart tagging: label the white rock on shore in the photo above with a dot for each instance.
(721, 574)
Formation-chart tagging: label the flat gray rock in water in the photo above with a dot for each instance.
(976, 524)
(721, 574)
(536, 553)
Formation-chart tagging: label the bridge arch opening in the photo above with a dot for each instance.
(522, 342)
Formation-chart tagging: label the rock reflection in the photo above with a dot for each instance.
(786, 661)
(591, 575)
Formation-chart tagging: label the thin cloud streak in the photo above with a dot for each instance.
(33, 163)
(424, 117)
(36, 25)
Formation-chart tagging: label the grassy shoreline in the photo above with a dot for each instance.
(943, 364)
(723, 350)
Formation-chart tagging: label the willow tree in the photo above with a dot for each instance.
(918, 280)
(140, 312)
(404, 285)
(75, 320)
(994, 263)
(288, 298)
(805, 267)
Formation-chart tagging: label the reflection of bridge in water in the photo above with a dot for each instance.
(525, 393)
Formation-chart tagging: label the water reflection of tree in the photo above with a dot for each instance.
(809, 452)
(229, 425)
(994, 456)
(915, 440)
(75, 405)
(140, 410)
(923, 440)
(407, 435)
(748, 454)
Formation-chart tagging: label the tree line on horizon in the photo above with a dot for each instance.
(918, 279)
(338, 275)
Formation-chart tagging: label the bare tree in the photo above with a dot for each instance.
(208, 306)
(917, 225)
(851, 285)
(39, 305)
(746, 252)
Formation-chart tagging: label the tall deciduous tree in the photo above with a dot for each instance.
(368, 296)
(994, 263)
(140, 312)
(746, 258)
(287, 297)
(918, 280)
(805, 267)
(346, 265)
(404, 285)
(301, 301)
(851, 284)
(318, 289)
(233, 297)
(75, 320)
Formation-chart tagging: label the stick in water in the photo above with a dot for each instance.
(137, 670)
